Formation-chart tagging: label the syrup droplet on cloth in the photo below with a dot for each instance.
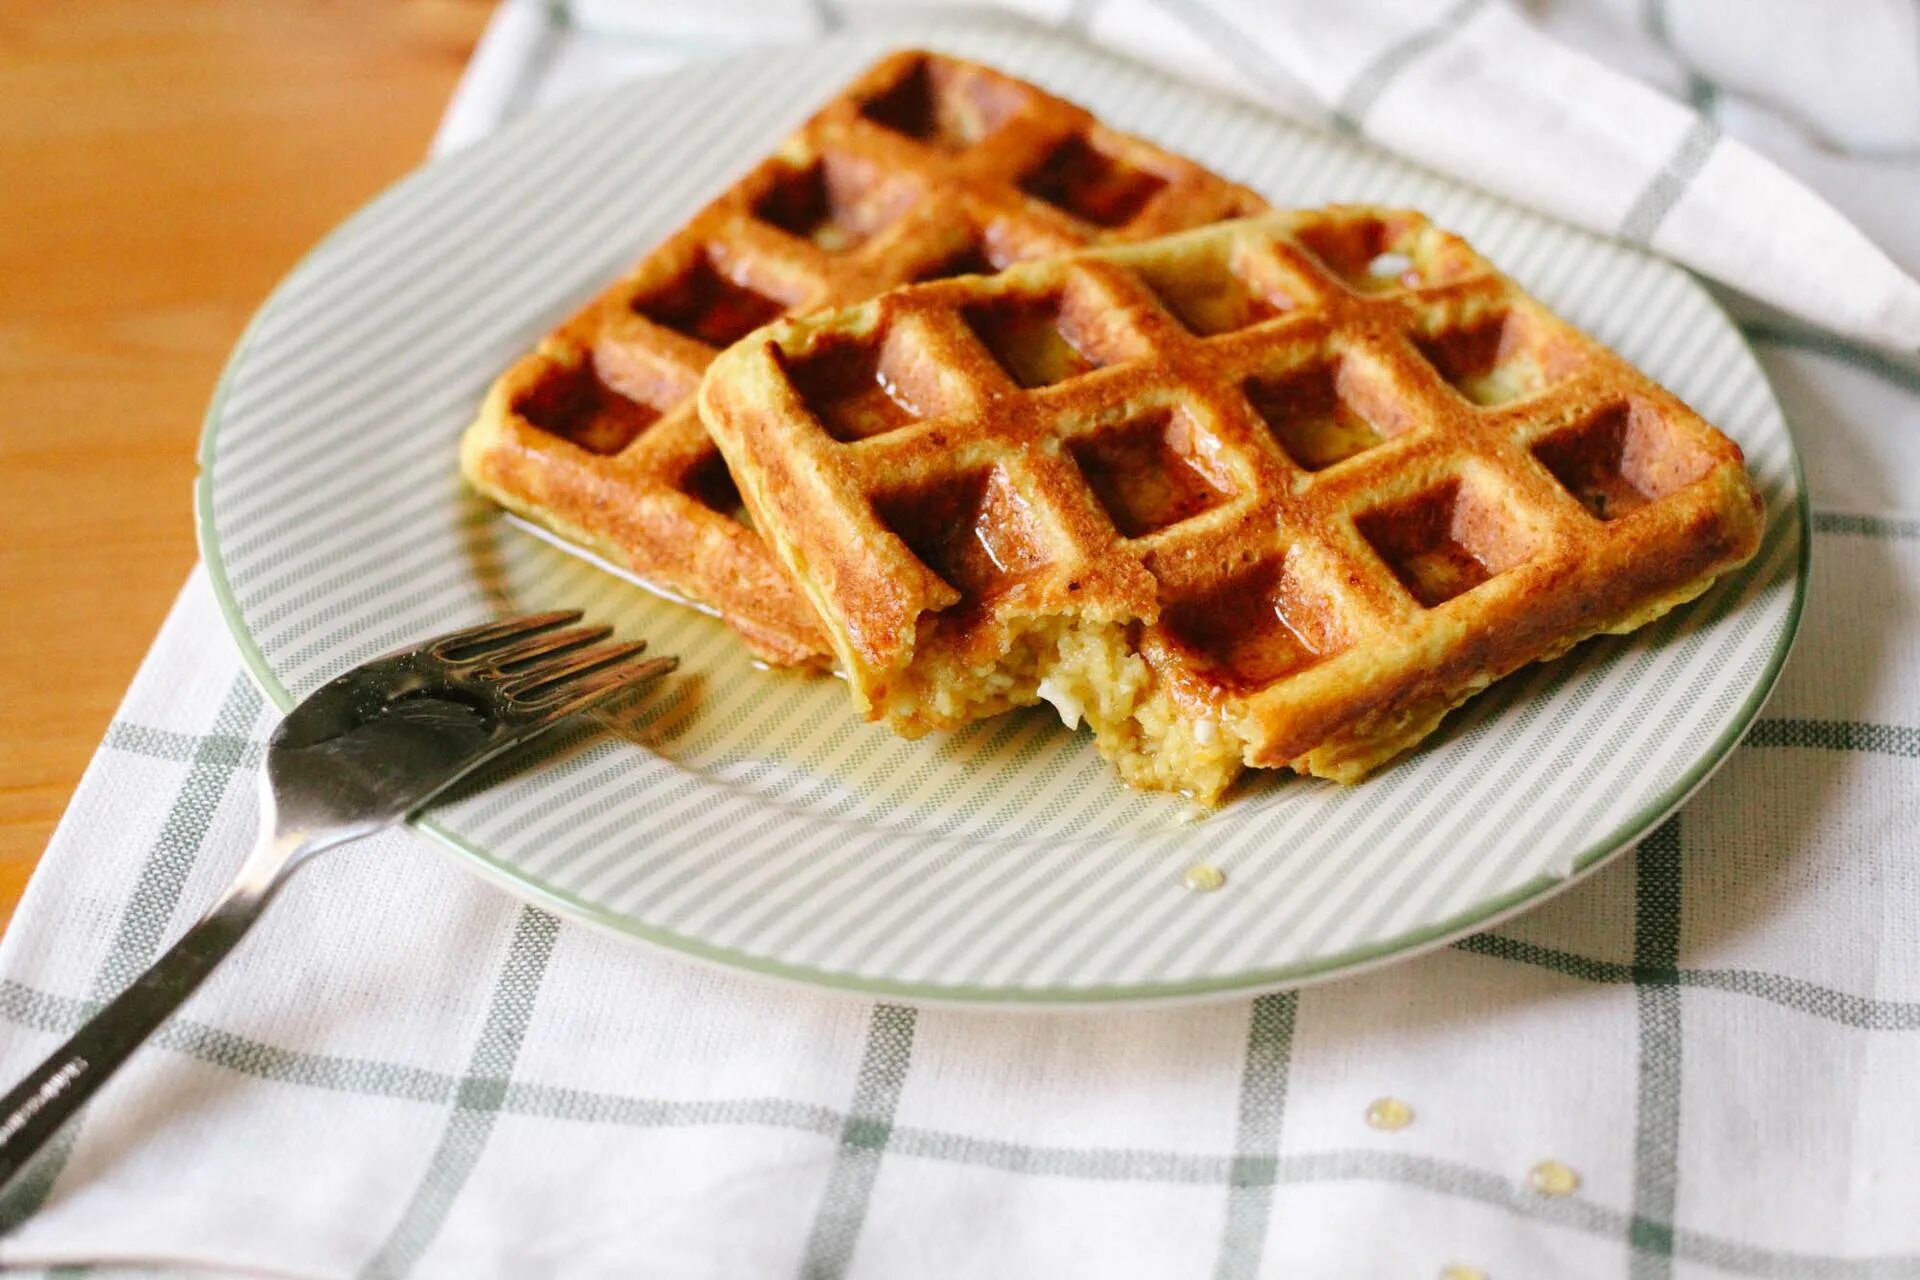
(1389, 1114)
(1551, 1178)
(1202, 878)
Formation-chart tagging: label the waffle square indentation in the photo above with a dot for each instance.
(975, 257)
(831, 202)
(709, 483)
(1371, 255)
(1257, 627)
(935, 104)
(706, 304)
(577, 404)
(1149, 473)
(1621, 458)
(974, 530)
(851, 388)
(1323, 413)
(1209, 297)
(1500, 357)
(1030, 339)
(1444, 542)
(1091, 184)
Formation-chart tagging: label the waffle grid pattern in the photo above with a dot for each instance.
(1343, 471)
(925, 166)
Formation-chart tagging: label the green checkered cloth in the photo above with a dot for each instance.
(407, 1073)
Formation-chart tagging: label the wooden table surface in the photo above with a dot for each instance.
(165, 164)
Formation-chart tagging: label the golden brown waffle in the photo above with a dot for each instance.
(926, 166)
(1275, 492)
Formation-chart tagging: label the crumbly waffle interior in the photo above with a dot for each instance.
(926, 167)
(1279, 492)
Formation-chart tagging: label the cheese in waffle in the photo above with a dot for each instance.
(926, 166)
(1278, 492)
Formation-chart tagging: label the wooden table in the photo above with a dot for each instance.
(165, 164)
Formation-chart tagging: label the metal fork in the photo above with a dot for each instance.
(357, 756)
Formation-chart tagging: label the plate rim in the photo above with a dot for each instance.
(1239, 984)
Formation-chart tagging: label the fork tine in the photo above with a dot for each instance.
(557, 671)
(474, 641)
(586, 691)
(542, 645)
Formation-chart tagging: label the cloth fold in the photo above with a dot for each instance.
(406, 1072)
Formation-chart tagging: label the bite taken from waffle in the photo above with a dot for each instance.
(925, 166)
(1276, 492)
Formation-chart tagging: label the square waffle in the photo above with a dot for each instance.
(1275, 492)
(926, 166)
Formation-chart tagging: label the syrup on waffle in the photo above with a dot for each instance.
(925, 167)
(1274, 492)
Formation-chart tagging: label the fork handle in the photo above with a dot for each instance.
(39, 1105)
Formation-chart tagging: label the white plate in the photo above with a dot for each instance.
(748, 817)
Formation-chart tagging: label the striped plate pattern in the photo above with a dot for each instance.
(746, 816)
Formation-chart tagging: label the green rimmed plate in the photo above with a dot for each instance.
(746, 816)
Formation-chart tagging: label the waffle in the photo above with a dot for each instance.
(925, 166)
(1274, 492)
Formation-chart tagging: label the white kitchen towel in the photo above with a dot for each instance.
(1582, 127)
(405, 1072)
